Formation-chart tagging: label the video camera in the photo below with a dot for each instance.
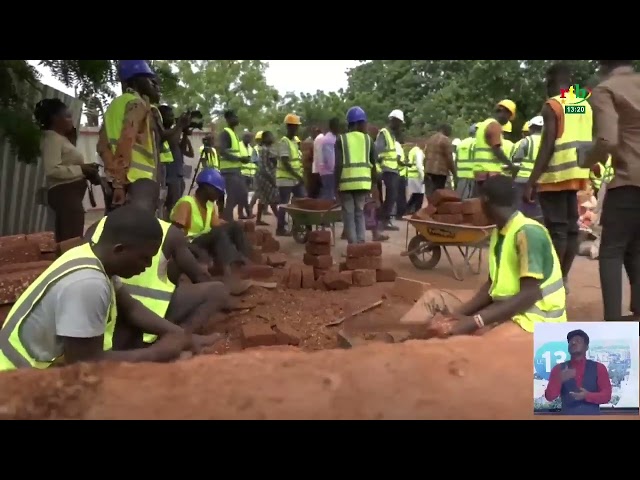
(197, 120)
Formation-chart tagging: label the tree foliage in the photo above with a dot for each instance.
(429, 92)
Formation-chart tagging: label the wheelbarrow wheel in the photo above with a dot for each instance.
(427, 255)
(300, 233)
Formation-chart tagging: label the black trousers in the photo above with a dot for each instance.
(401, 199)
(226, 244)
(391, 183)
(434, 182)
(620, 245)
(560, 214)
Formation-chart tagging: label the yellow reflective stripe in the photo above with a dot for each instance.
(28, 303)
(545, 291)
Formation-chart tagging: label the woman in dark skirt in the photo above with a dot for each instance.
(65, 171)
(266, 190)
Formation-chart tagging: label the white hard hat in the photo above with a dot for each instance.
(397, 114)
(537, 121)
(455, 142)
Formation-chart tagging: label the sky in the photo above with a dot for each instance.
(286, 75)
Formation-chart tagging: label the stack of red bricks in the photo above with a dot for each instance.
(363, 266)
(445, 206)
(264, 252)
(317, 261)
(22, 259)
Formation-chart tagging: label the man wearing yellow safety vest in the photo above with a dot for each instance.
(189, 304)
(525, 279)
(248, 172)
(69, 313)
(389, 150)
(197, 216)
(466, 184)
(415, 179)
(489, 157)
(616, 110)
(289, 169)
(507, 144)
(129, 140)
(176, 146)
(556, 175)
(354, 173)
(233, 156)
(525, 156)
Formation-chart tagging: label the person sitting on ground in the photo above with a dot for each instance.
(525, 279)
(197, 216)
(70, 312)
(188, 304)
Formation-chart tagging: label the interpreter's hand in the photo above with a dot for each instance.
(581, 395)
(528, 193)
(172, 344)
(597, 171)
(118, 196)
(567, 373)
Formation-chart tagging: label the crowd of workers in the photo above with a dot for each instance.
(128, 268)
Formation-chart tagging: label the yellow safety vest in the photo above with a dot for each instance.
(483, 157)
(388, 159)
(606, 174)
(197, 227)
(564, 162)
(529, 160)
(143, 160)
(464, 158)
(356, 168)
(211, 157)
(13, 354)
(412, 170)
(237, 148)
(505, 278)
(152, 287)
(249, 169)
(295, 160)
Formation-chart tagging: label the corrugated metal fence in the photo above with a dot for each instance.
(19, 182)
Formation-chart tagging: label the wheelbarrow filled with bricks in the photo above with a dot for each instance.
(305, 216)
(448, 222)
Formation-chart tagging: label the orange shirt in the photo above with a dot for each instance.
(573, 184)
(182, 215)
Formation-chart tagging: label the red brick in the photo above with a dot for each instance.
(257, 335)
(256, 256)
(276, 259)
(442, 196)
(452, 219)
(409, 289)
(322, 237)
(19, 253)
(476, 219)
(286, 335)
(368, 249)
(20, 267)
(318, 272)
(386, 275)
(294, 282)
(424, 213)
(370, 263)
(308, 277)
(270, 245)
(69, 244)
(342, 266)
(45, 240)
(260, 236)
(454, 208)
(318, 261)
(335, 281)
(318, 249)
(313, 203)
(12, 285)
(471, 205)
(249, 226)
(256, 272)
(251, 238)
(347, 275)
(319, 285)
(364, 277)
(11, 240)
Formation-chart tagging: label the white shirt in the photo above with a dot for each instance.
(317, 153)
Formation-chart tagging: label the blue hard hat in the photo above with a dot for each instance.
(128, 69)
(211, 176)
(356, 114)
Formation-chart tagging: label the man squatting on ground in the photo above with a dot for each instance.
(189, 305)
(70, 312)
(525, 279)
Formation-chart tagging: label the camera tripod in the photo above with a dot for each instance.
(201, 160)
